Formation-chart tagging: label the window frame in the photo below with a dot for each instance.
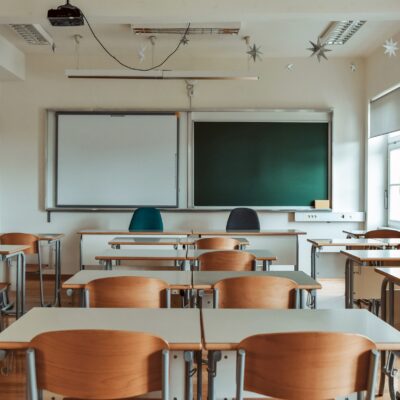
(391, 147)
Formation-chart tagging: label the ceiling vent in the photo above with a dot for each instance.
(339, 32)
(195, 29)
(33, 34)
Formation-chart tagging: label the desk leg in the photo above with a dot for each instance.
(391, 303)
(199, 362)
(188, 357)
(108, 265)
(301, 292)
(313, 260)
(213, 357)
(383, 353)
(296, 266)
(23, 281)
(81, 266)
(351, 284)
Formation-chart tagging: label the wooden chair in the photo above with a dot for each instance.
(127, 292)
(307, 365)
(255, 292)
(217, 243)
(382, 234)
(97, 364)
(229, 260)
(28, 239)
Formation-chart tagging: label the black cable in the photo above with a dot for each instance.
(128, 66)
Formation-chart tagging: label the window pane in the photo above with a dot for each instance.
(394, 209)
(394, 166)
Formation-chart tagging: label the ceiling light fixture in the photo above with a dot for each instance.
(157, 74)
(231, 28)
(33, 34)
(339, 32)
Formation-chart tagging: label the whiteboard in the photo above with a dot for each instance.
(116, 160)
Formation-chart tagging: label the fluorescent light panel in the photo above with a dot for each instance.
(228, 28)
(156, 74)
(339, 32)
(33, 34)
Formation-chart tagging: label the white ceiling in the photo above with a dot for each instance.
(282, 28)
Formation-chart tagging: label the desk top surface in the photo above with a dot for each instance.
(134, 233)
(145, 241)
(224, 329)
(393, 274)
(262, 232)
(181, 279)
(6, 250)
(347, 242)
(142, 254)
(357, 233)
(372, 255)
(50, 236)
(169, 254)
(179, 327)
(206, 279)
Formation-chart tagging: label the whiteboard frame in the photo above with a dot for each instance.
(270, 115)
(51, 179)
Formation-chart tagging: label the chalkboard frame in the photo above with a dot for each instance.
(271, 115)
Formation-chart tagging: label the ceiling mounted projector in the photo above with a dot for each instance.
(65, 15)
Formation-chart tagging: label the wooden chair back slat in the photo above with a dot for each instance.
(382, 234)
(226, 261)
(218, 243)
(127, 292)
(96, 364)
(306, 365)
(26, 239)
(256, 292)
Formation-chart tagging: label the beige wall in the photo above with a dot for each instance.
(329, 84)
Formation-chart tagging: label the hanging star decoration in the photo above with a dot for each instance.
(353, 67)
(254, 53)
(290, 67)
(318, 49)
(390, 47)
(185, 40)
(142, 53)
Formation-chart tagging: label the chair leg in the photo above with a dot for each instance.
(41, 285)
(165, 375)
(32, 390)
(240, 363)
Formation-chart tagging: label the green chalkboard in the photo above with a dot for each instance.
(261, 163)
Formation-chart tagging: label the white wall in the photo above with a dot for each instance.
(381, 73)
(329, 84)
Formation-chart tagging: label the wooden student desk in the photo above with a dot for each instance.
(224, 329)
(364, 258)
(108, 256)
(205, 280)
(8, 252)
(175, 242)
(176, 279)
(355, 234)
(179, 327)
(92, 233)
(265, 232)
(319, 244)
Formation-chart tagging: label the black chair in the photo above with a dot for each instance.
(243, 219)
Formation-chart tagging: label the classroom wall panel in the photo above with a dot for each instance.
(310, 85)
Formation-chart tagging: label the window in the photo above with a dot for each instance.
(394, 184)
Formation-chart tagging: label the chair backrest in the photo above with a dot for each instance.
(218, 243)
(307, 365)
(98, 364)
(256, 292)
(26, 239)
(146, 219)
(127, 292)
(382, 234)
(227, 260)
(243, 219)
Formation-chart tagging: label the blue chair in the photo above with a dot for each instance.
(243, 219)
(146, 219)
